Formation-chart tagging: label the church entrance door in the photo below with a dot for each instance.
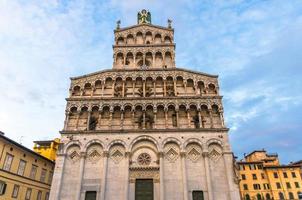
(144, 189)
(90, 195)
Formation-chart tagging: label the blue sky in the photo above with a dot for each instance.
(254, 46)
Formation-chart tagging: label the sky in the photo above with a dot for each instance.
(254, 46)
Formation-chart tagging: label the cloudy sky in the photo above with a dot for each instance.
(254, 46)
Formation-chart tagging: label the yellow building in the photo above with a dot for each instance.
(47, 148)
(263, 178)
(24, 174)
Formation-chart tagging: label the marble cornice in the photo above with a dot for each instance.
(149, 131)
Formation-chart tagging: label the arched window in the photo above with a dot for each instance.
(291, 196)
(258, 196)
(281, 195)
(268, 196)
(247, 197)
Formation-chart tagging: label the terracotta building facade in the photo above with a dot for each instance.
(144, 129)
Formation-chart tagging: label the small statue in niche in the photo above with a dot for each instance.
(170, 90)
(148, 92)
(144, 17)
(149, 120)
(196, 121)
(118, 91)
(92, 123)
(174, 120)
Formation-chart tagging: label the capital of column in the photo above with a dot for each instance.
(183, 154)
(205, 154)
(83, 154)
(106, 154)
(160, 154)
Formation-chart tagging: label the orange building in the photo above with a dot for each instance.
(262, 177)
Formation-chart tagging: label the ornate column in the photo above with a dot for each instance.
(133, 118)
(221, 117)
(144, 88)
(165, 87)
(175, 88)
(88, 120)
(166, 117)
(103, 186)
(161, 175)
(144, 119)
(195, 89)
(177, 118)
(208, 174)
(154, 88)
(66, 120)
(81, 173)
(113, 86)
(188, 116)
(133, 88)
(100, 120)
(211, 118)
(200, 120)
(110, 118)
(184, 175)
(122, 120)
(153, 60)
(123, 89)
(92, 90)
(127, 157)
(103, 87)
(185, 84)
(78, 118)
(155, 119)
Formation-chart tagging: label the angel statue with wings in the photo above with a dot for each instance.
(144, 17)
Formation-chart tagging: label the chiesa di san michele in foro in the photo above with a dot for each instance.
(145, 129)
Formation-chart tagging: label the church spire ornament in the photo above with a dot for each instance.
(144, 17)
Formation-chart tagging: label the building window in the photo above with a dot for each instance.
(297, 185)
(275, 175)
(257, 186)
(2, 187)
(299, 195)
(288, 185)
(291, 196)
(259, 166)
(259, 196)
(266, 186)
(278, 185)
(197, 195)
(39, 195)
(90, 195)
(245, 187)
(33, 172)
(28, 194)
(247, 197)
(21, 168)
(243, 177)
(262, 176)
(268, 196)
(241, 167)
(294, 175)
(254, 177)
(8, 161)
(15, 191)
(281, 196)
(50, 177)
(43, 175)
(284, 174)
(47, 196)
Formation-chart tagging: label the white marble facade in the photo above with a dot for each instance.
(144, 120)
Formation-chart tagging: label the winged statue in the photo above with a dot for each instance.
(144, 17)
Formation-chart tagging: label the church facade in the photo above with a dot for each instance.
(144, 129)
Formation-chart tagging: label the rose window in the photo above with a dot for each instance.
(144, 159)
